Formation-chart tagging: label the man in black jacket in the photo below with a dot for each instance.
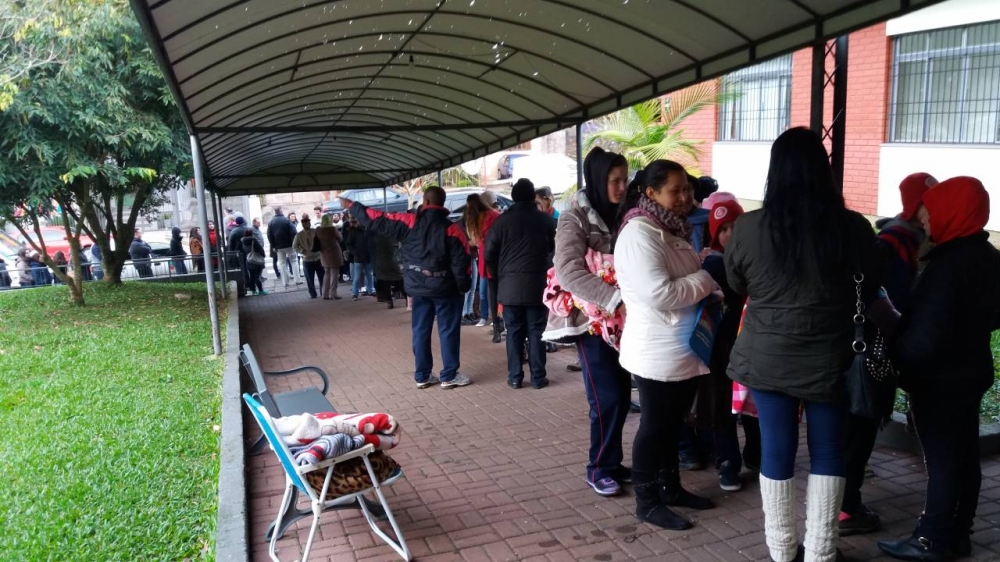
(281, 234)
(517, 253)
(436, 273)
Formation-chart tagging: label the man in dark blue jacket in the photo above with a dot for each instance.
(436, 273)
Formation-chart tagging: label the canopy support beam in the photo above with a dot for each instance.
(836, 130)
(199, 187)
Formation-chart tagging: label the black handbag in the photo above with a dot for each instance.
(871, 378)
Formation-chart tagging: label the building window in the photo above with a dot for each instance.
(760, 104)
(946, 86)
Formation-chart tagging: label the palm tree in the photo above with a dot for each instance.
(652, 130)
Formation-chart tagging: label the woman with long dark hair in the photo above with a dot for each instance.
(797, 259)
(197, 248)
(661, 282)
(589, 225)
(471, 218)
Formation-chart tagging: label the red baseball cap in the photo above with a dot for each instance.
(912, 190)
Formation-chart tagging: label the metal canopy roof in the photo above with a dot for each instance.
(331, 94)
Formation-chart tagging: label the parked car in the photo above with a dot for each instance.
(55, 240)
(505, 166)
(389, 200)
(455, 202)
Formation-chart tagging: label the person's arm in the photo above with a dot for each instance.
(458, 257)
(735, 274)
(270, 235)
(392, 225)
(571, 265)
(491, 251)
(297, 246)
(924, 330)
(637, 259)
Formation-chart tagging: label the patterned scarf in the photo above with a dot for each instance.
(665, 218)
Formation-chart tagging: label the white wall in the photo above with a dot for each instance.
(741, 168)
(941, 161)
(945, 14)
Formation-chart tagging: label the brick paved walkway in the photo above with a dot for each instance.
(494, 474)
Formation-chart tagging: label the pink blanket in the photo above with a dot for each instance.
(562, 303)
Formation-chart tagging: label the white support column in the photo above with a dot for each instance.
(199, 187)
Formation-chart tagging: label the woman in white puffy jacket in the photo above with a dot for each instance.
(661, 284)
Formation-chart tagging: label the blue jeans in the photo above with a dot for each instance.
(449, 316)
(826, 433)
(470, 297)
(609, 390)
(362, 273)
(484, 298)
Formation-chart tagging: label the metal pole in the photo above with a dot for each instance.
(818, 83)
(579, 156)
(440, 179)
(199, 183)
(839, 121)
(215, 249)
(220, 230)
(385, 199)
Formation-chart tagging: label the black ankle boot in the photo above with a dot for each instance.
(649, 509)
(915, 548)
(674, 495)
(496, 333)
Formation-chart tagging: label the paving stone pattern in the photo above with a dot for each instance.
(494, 474)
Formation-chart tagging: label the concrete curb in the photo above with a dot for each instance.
(231, 530)
(895, 436)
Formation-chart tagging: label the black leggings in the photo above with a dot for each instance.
(494, 285)
(665, 405)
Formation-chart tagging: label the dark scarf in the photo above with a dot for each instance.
(665, 218)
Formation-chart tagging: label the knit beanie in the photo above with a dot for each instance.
(716, 198)
(240, 221)
(488, 198)
(722, 214)
(523, 191)
(957, 207)
(912, 190)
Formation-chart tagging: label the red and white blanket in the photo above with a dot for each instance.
(380, 430)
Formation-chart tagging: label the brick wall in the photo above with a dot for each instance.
(867, 109)
(703, 126)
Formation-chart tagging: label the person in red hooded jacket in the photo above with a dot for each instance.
(942, 349)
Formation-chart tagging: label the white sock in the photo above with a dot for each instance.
(823, 497)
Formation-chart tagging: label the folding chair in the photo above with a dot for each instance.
(320, 501)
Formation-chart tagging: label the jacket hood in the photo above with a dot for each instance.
(176, 233)
(698, 215)
(596, 167)
(958, 207)
(899, 223)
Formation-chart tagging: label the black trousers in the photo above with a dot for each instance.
(313, 268)
(948, 427)
(664, 407)
(253, 279)
(861, 434)
(525, 323)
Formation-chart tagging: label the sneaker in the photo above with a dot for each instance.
(481, 323)
(623, 474)
(431, 381)
(355, 299)
(458, 380)
(689, 463)
(729, 478)
(574, 367)
(262, 292)
(606, 486)
(863, 521)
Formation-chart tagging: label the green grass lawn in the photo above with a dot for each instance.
(108, 424)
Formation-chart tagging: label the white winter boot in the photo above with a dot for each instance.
(823, 497)
(778, 498)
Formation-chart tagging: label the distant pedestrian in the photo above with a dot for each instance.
(388, 275)
(357, 240)
(280, 234)
(5, 280)
(141, 254)
(96, 263)
(249, 246)
(197, 249)
(259, 236)
(307, 245)
(23, 264)
(546, 202)
(517, 253)
(435, 258)
(331, 257)
(62, 266)
(177, 252)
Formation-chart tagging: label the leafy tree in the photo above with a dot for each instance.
(89, 132)
(653, 130)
